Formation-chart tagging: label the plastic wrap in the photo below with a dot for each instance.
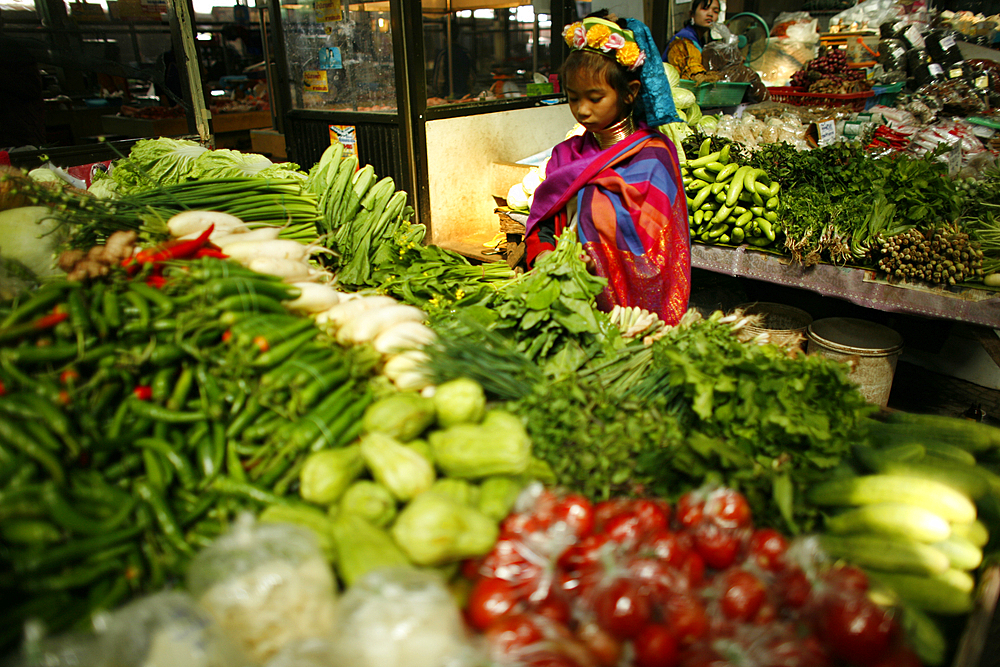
(943, 47)
(871, 13)
(72, 649)
(401, 617)
(723, 52)
(167, 629)
(892, 56)
(266, 584)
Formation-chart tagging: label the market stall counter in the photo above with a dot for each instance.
(859, 286)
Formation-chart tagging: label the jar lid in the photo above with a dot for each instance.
(855, 336)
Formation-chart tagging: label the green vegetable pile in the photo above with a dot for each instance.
(135, 422)
(696, 406)
(427, 484)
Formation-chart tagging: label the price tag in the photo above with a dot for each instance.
(982, 81)
(983, 132)
(315, 81)
(955, 159)
(947, 42)
(954, 72)
(935, 69)
(827, 132)
(914, 37)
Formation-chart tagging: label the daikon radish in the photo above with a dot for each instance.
(288, 269)
(259, 234)
(313, 298)
(368, 325)
(347, 310)
(195, 222)
(404, 336)
(406, 370)
(245, 251)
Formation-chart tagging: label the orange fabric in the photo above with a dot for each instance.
(685, 56)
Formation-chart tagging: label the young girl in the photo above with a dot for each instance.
(618, 184)
(684, 50)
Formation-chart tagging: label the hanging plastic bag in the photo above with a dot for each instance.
(723, 51)
(401, 617)
(167, 629)
(266, 584)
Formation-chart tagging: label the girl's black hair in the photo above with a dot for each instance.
(602, 68)
(701, 4)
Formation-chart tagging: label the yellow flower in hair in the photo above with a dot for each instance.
(628, 54)
(596, 36)
(570, 31)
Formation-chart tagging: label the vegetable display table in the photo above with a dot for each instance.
(863, 287)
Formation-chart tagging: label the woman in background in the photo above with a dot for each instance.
(684, 49)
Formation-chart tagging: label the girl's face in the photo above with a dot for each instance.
(704, 17)
(594, 103)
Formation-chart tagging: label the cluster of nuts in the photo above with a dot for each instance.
(86, 264)
(941, 255)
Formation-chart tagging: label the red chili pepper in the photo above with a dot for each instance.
(64, 397)
(227, 336)
(143, 392)
(50, 320)
(3, 389)
(262, 343)
(68, 375)
(210, 252)
(175, 249)
(156, 281)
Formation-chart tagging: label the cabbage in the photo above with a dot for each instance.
(155, 162)
(693, 114)
(683, 98)
(708, 122)
(673, 75)
(29, 235)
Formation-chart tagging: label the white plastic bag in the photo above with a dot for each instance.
(266, 584)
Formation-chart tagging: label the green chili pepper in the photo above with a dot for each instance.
(164, 518)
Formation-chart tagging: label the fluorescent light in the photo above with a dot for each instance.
(218, 93)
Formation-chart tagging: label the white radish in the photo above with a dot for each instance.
(412, 362)
(364, 328)
(244, 251)
(288, 269)
(347, 310)
(313, 298)
(196, 222)
(411, 382)
(259, 234)
(404, 336)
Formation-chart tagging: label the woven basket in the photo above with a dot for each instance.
(785, 325)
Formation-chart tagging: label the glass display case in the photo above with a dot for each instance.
(339, 57)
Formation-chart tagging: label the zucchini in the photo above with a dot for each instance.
(975, 532)
(882, 552)
(961, 553)
(868, 489)
(925, 636)
(898, 519)
(962, 478)
(971, 436)
(947, 593)
(943, 450)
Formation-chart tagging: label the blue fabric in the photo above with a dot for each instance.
(656, 103)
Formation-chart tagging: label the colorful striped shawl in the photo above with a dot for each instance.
(632, 218)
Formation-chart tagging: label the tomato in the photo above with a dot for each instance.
(555, 606)
(546, 658)
(489, 599)
(600, 643)
(584, 554)
(512, 632)
(506, 561)
(655, 576)
(728, 508)
(846, 578)
(899, 656)
(655, 646)
(793, 588)
(621, 608)
(718, 546)
(576, 512)
(690, 509)
(668, 547)
(606, 509)
(855, 629)
(693, 570)
(767, 548)
(685, 615)
(653, 515)
(743, 594)
(624, 528)
(805, 652)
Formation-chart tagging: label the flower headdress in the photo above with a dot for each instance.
(604, 37)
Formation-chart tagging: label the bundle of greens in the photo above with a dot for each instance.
(772, 425)
(550, 311)
(154, 163)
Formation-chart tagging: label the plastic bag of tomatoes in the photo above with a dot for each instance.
(637, 582)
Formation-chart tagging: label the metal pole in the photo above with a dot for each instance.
(202, 116)
(447, 45)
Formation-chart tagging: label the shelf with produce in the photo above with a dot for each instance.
(860, 286)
